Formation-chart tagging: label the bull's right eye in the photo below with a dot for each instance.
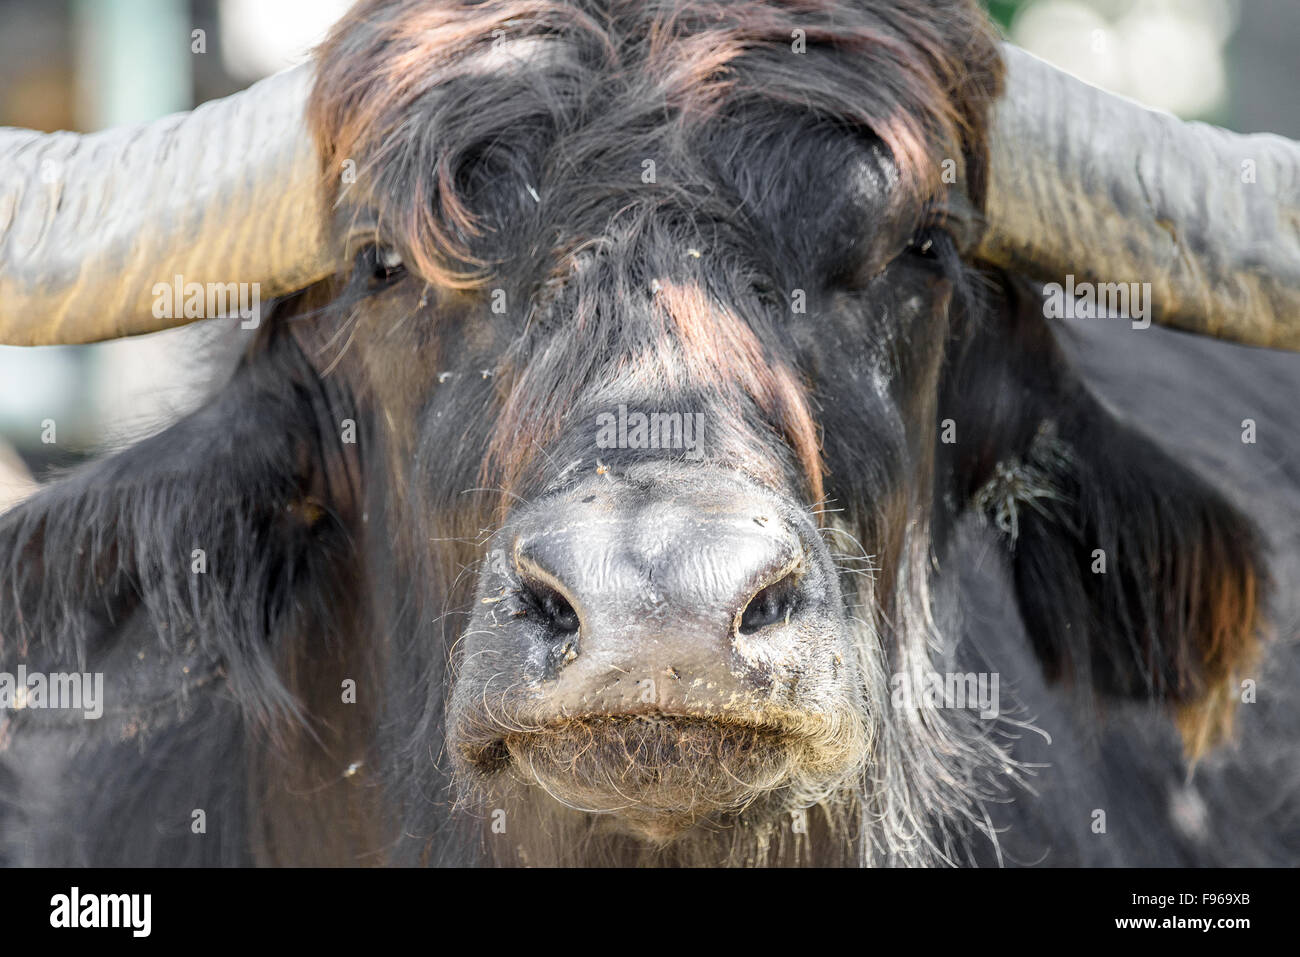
(381, 264)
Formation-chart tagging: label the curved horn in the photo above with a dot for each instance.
(90, 223)
(1088, 183)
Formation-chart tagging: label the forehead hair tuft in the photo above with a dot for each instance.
(418, 96)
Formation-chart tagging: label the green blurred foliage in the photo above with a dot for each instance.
(1003, 10)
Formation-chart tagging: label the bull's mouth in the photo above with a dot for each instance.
(660, 775)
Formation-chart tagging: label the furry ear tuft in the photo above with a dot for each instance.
(1135, 578)
(221, 533)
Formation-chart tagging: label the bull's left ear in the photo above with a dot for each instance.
(1135, 577)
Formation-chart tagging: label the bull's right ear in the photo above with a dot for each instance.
(1135, 578)
(224, 530)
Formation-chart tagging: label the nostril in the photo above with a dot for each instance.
(773, 603)
(552, 607)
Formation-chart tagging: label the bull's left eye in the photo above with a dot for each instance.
(923, 244)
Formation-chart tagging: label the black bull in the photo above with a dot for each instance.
(391, 596)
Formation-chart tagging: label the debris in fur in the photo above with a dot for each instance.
(1027, 482)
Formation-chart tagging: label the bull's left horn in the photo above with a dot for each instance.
(1087, 183)
(90, 224)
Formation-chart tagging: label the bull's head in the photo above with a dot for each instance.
(652, 322)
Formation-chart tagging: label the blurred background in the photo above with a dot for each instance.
(88, 64)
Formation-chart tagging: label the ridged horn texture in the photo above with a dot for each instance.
(89, 224)
(1087, 183)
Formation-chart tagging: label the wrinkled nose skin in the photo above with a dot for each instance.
(659, 589)
(703, 598)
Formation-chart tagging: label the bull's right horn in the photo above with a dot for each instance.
(89, 224)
